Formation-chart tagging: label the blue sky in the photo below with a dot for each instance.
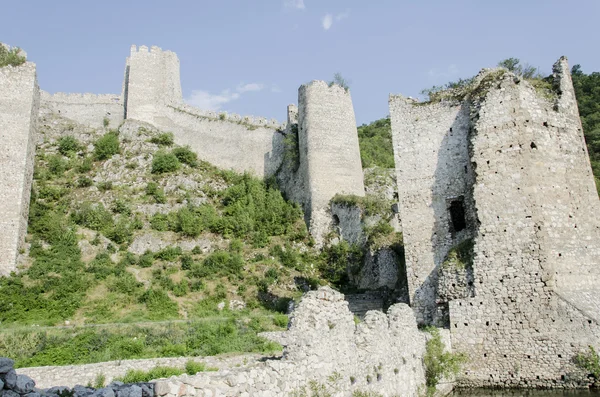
(250, 56)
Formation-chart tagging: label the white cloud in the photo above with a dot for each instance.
(296, 4)
(327, 21)
(250, 87)
(207, 101)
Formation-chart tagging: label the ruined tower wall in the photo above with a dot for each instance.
(328, 150)
(433, 170)
(533, 185)
(87, 109)
(19, 104)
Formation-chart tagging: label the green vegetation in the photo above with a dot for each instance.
(375, 141)
(163, 162)
(163, 139)
(587, 90)
(338, 79)
(90, 345)
(11, 57)
(135, 376)
(460, 256)
(186, 156)
(68, 145)
(439, 364)
(589, 361)
(107, 145)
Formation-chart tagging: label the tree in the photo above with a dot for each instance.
(514, 65)
(338, 79)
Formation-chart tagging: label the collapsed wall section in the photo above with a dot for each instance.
(19, 104)
(537, 239)
(87, 109)
(434, 175)
(329, 154)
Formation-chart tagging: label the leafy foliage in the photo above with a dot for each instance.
(375, 142)
(11, 57)
(163, 162)
(186, 156)
(338, 79)
(590, 361)
(163, 139)
(68, 145)
(107, 146)
(587, 91)
(439, 363)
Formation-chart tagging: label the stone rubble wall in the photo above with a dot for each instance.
(86, 109)
(382, 354)
(19, 104)
(433, 168)
(71, 375)
(538, 235)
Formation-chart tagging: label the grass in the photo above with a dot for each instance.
(90, 345)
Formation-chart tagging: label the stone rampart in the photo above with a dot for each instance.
(382, 354)
(87, 109)
(19, 103)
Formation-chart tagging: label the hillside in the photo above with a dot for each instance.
(126, 227)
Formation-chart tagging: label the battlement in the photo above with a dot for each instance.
(86, 98)
(249, 121)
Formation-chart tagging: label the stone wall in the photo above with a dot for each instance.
(433, 172)
(86, 109)
(382, 354)
(19, 103)
(530, 301)
(71, 375)
(328, 150)
(152, 92)
(537, 208)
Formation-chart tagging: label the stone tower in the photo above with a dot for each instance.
(328, 149)
(502, 172)
(151, 81)
(19, 103)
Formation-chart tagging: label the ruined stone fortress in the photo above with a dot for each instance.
(499, 177)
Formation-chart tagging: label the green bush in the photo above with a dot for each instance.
(219, 263)
(146, 259)
(439, 363)
(106, 146)
(68, 145)
(11, 57)
(95, 217)
(153, 190)
(193, 367)
(163, 139)
(57, 165)
(135, 375)
(589, 361)
(163, 162)
(84, 181)
(159, 305)
(186, 156)
(169, 253)
(85, 165)
(376, 148)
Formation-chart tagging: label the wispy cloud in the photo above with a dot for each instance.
(275, 89)
(207, 101)
(294, 4)
(328, 19)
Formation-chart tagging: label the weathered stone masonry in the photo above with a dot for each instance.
(19, 103)
(531, 207)
(328, 154)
